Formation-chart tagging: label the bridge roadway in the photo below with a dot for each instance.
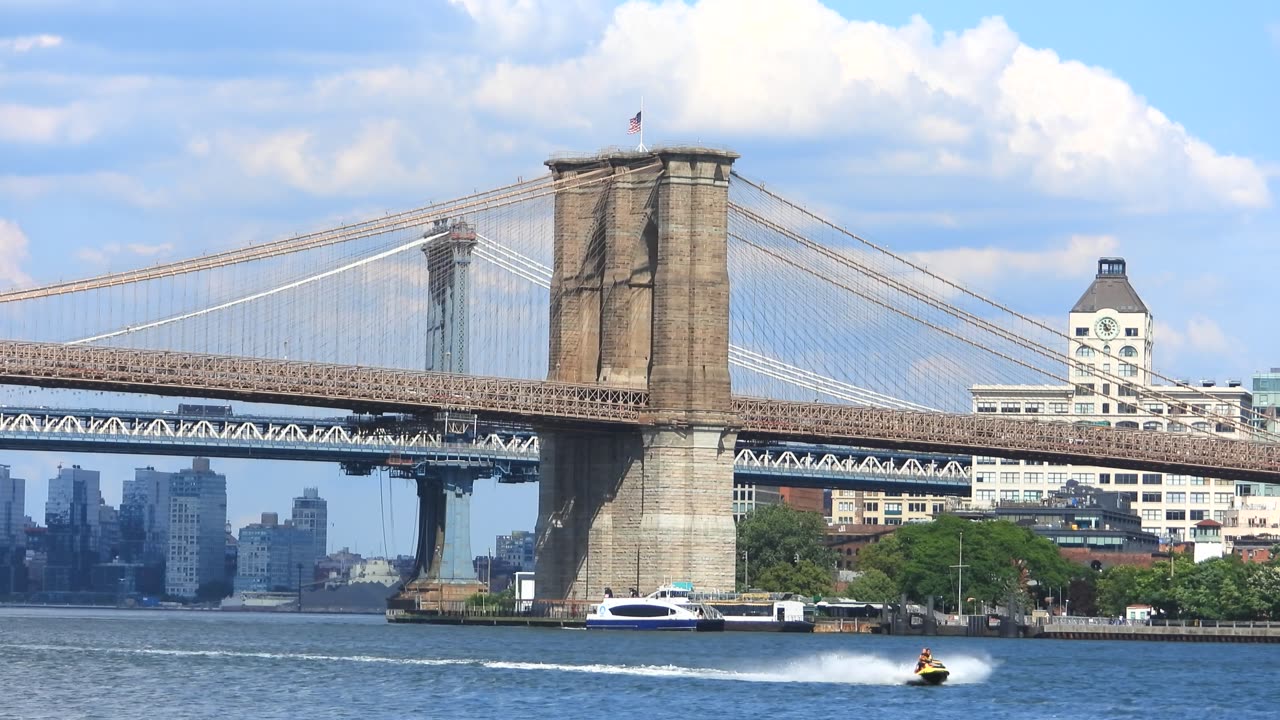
(510, 452)
(567, 404)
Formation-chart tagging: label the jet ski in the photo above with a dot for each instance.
(932, 672)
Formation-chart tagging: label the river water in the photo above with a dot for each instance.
(167, 664)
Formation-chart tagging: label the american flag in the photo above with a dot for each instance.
(633, 127)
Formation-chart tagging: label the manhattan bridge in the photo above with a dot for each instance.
(636, 331)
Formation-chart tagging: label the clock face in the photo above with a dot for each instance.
(1107, 328)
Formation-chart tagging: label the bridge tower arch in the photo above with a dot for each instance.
(640, 298)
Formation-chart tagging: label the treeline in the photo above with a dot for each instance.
(1219, 589)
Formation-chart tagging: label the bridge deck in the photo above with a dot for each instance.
(361, 388)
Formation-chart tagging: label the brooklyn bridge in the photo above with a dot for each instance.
(631, 329)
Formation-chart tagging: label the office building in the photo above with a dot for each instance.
(73, 516)
(197, 529)
(269, 556)
(516, 550)
(748, 497)
(13, 536)
(311, 514)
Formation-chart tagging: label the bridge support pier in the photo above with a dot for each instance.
(640, 298)
(442, 568)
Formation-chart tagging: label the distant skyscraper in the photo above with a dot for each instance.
(144, 518)
(311, 514)
(269, 553)
(73, 516)
(13, 492)
(197, 529)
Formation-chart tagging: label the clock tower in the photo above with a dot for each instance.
(1110, 334)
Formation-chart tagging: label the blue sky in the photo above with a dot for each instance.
(1006, 144)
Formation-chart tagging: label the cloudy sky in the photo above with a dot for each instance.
(1006, 144)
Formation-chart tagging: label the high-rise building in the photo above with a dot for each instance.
(144, 518)
(197, 529)
(13, 572)
(269, 554)
(748, 497)
(311, 514)
(73, 516)
(1266, 399)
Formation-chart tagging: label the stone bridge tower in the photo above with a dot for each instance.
(640, 298)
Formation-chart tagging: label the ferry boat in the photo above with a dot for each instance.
(667, 608)
(765, 615)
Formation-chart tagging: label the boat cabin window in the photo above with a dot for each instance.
(641, 611)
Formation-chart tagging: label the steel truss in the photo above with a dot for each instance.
(360, 388)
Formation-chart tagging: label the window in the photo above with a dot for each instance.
(873, 507)
(1198, 481)
(1128, 391)
(1057, 478)
(1175, 514)
(1104, 478)
(1151, 478)
(1035, 407)
(893, 508)
(984, 477)
(986, 406)
(1031, 495)
(1084, 478)
(1154, 408)
(938, 508)
(1126, 409)
(916, 507)
(1150, 497)
(893, 521)
(1032, 477)
(1131, 332)
(1009, 495)
(983, 460)
(1058, 407)
(1082, 370)
(1082, 332)
(1126, 478)
(1127, 425)
(1200, 498)
(986, 495)
(1175, 479)
(1221, 409)
(641, 611)
(1177, 497)
(1177, 427)
(1152, 425)
(1106, 408)
(1008, 478)
(1128, 370)
(1106, 388)
(1150, 514)
(1084, 351)
(1010, 407)
(1128, 351)
(1221, 498)
(1084, 408)
(1199, 514)
(1084, 389)
(1224, 428)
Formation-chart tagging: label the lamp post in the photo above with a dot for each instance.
(960, 566)
(299, 587)
(746, 571)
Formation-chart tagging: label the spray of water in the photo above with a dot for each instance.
(835, 668)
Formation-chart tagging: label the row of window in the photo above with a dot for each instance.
(1123, 369)
(1128, 332)
(1128, 351)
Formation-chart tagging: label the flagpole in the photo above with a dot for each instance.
(642, 148)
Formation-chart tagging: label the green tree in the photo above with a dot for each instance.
(873, 585)
(775, 535)
(807, 578)
(1002, 559)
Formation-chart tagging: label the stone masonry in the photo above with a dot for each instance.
(640, 298)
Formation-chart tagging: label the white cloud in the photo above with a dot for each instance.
(538, 24)
(1199, 334)
(978, 266)
(26, 43)
(109, 184)
(13, 251)
(104, 254)
(979, 101)
(28, 123)
(302, 159)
